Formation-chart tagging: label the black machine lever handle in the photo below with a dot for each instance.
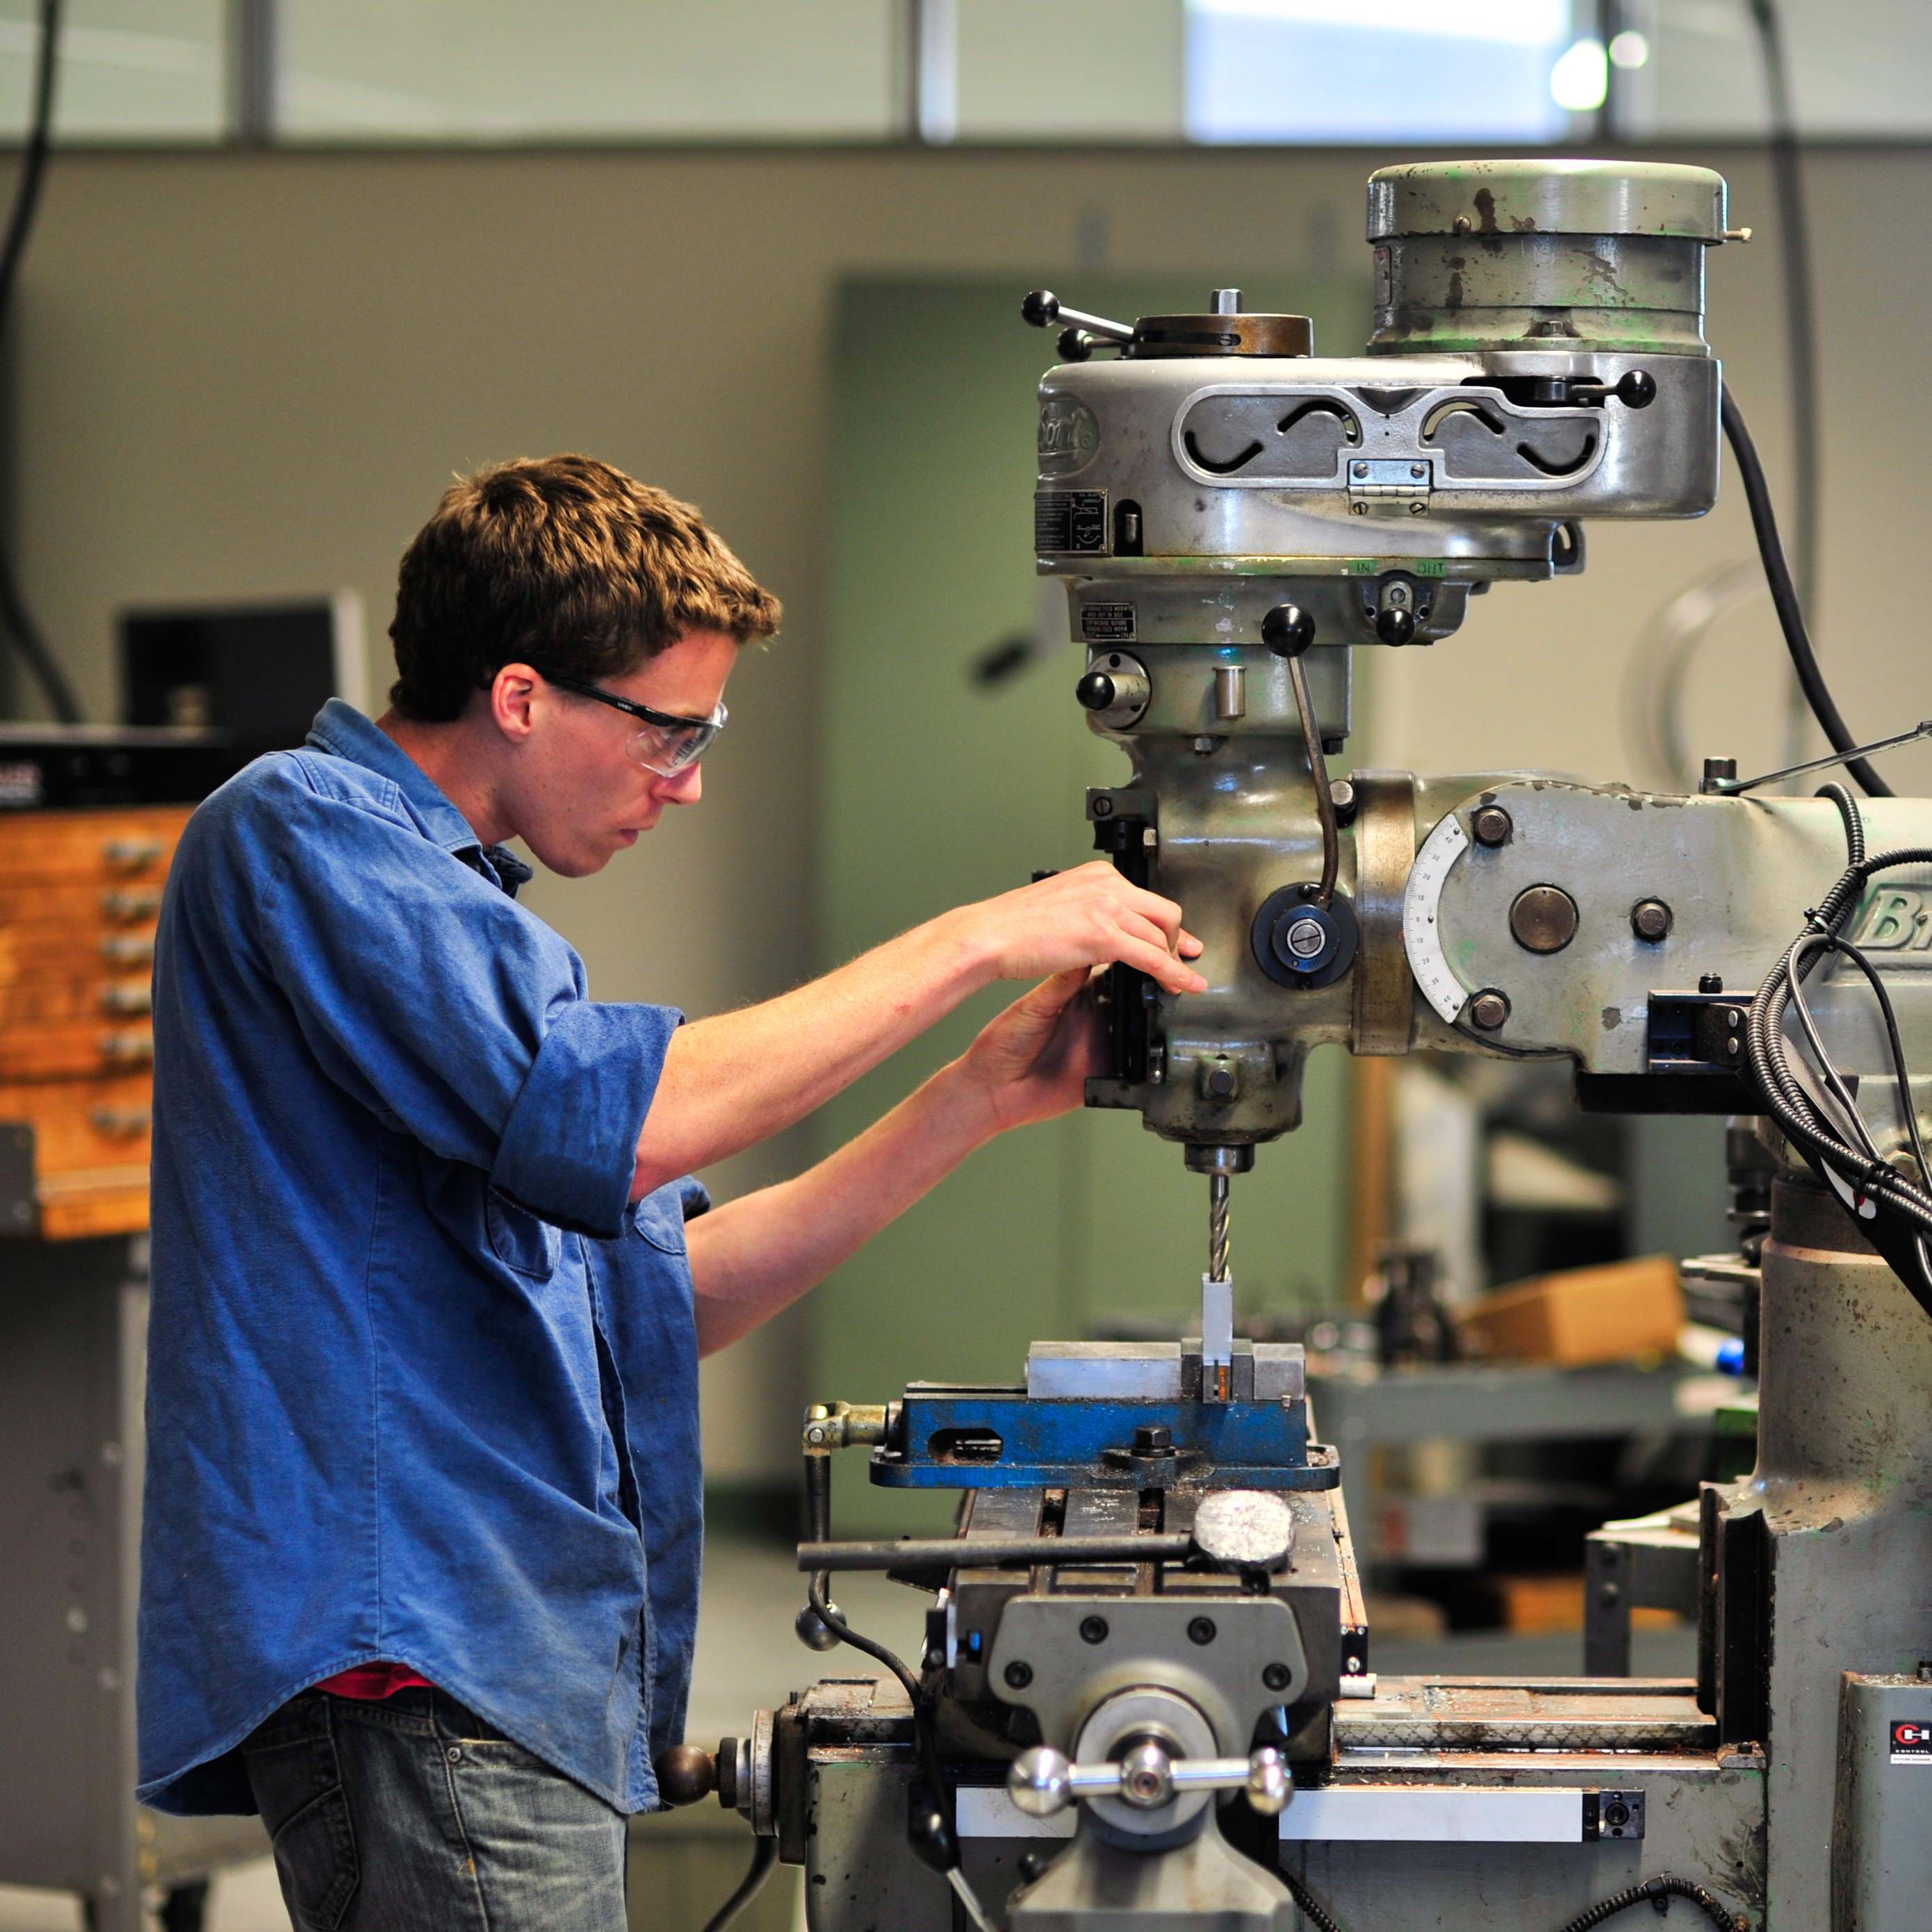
(1043, 308)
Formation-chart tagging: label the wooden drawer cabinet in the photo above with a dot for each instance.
(80, 892)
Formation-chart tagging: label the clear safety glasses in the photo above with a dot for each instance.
(668, 745)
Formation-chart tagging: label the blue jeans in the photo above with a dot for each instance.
(414, 1813)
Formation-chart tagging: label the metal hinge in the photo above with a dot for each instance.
(1390, 485)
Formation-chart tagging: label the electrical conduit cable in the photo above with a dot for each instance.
(1784, 598)
(28, 640)
(1657, 1892)
(764, 1857)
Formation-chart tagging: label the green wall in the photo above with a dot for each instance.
(937, 790)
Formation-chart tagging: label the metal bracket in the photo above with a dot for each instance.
(1613, 1814)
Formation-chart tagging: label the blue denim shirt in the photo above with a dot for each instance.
(410, 1348)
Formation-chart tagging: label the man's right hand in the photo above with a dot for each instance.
(737, 1079)
(1090, 916)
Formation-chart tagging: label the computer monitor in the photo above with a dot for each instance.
(258, 672)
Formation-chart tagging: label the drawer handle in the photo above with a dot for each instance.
(133, 854)
(127, 1123)
(128, 949)
(128, 996)
(134, 1048)
(129, 906)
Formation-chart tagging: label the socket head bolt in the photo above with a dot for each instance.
(1489, 1010)
(1491, 826)
(1018, 1675)
(1650, 920)
(1093, 1630)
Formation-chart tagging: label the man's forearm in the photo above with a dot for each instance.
(735, 1079)
(752, 1256)
(731, 1082)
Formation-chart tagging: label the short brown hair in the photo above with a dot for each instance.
(564, 563)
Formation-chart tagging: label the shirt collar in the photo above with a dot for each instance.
(342, 731)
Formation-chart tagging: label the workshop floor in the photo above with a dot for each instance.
(684, 1864)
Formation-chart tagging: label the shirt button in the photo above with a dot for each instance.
(454, 1754)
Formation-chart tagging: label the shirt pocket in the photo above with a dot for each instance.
(520, 1240)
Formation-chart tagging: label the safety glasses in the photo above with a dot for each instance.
(668, 745)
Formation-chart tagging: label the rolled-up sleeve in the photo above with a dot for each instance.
(570, 1147)
(453, 1014)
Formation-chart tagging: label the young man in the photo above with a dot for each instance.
(421, 1537)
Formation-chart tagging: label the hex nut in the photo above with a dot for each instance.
(1650, 920)
(1489, 1010)
(1491, 826)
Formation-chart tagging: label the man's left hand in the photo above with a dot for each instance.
(1032, 1061)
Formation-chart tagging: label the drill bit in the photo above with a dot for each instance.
(1217, 1227)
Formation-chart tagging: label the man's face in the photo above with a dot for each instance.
(579, 799)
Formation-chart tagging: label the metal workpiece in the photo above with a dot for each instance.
(1836, 1520)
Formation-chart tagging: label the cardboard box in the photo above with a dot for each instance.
(1614, 1313)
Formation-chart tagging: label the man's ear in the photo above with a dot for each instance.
(514, 695)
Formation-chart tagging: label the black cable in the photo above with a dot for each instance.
(764, 1857)
(1784, 598)
(1650, 1892)
(28, 641)
(1901, 1216)
(1801, 318)
(1307, 1904)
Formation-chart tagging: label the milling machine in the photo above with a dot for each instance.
(1147, 1698)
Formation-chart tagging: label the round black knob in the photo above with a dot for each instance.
(1395, 625)
(1636, 389)
(1096, 691)
(1075, 345)
(1287, 630)
(685, 1774)
(1040, 307)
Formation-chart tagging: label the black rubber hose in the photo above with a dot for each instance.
(1649, 1893)
(1784, 598)
(28, 640)
(1307, 1904)
(764, 1857)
